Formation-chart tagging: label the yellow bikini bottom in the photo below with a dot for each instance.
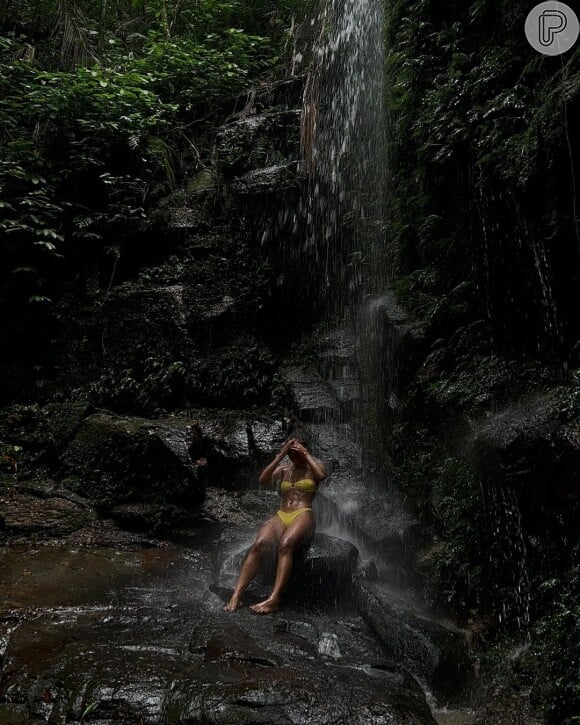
(288, 518)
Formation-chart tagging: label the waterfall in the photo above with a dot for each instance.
(343, 143)
(344, 147)
(339, 244)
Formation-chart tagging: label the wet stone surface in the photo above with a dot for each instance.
(131, 632)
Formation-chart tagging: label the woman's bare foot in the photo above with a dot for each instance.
(266, 607)
(233, 604)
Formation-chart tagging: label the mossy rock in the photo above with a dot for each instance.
(123, 459)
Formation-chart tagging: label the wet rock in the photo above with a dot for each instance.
(105, 533)
(272, 671)
(338, 354)
(376, 514)
(117, 460)
(266, 439)
(42, 431)
(398, 338)
(269, 180)
(335, 445)
(45, 512)
(321, 574)
(347, 391)
(187, 213)
(435, 653)
(313, 398)
(152, 517)
(94, 659)
(536, 440)
(137, 637)
(395, 319)
(325, 571)
(288, 696)
(257, 141)
(143, 321)
(238, 449)
(228, 455)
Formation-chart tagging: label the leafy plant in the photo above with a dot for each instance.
(100, 104)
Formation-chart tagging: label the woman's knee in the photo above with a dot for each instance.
(261, 543)
(286, 545)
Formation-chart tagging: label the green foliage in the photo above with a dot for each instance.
(241, 373)
(460, 567)
(557, 645)
(478, 383)
(98, 103)
(478, 157)
(237, 376)
(149, 389)
(89, 710)
(477, 523)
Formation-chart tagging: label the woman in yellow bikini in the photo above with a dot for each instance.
(292, 526)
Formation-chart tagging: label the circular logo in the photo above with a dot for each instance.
(552, 28)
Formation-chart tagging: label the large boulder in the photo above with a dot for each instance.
(436, 653)
(122, 635)
(313, 398)
(375, 515)
(322, 573)
(41, 509)
(257, 141)
(281, 670)
(238, 448)
(115, 460)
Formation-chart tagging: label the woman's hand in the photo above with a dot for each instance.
(266, 475)
(286, 447)
(297, 447)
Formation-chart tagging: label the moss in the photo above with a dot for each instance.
(556, 646)
(459, 572)
(479, 172)
(203, 181)
(477, 384)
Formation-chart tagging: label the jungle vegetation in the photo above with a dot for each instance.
(101, 104)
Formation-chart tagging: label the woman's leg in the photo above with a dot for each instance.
(269, 534)
(299, 531)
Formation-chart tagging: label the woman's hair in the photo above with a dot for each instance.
(301, 437)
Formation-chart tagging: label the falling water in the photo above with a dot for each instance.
(505, 513)
(343, 142)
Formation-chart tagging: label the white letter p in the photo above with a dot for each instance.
(552, 22)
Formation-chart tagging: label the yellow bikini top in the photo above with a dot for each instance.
(305, 484)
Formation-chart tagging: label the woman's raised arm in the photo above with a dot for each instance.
(266, 475)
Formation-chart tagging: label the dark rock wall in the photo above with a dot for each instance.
(483, 246)
(186, 318)
(184, 313)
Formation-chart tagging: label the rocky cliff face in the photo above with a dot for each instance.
(172, 373)
(201, 320)
(481, 430)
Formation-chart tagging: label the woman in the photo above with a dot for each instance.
(291, 527)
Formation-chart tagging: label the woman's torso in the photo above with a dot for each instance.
(298, 489)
